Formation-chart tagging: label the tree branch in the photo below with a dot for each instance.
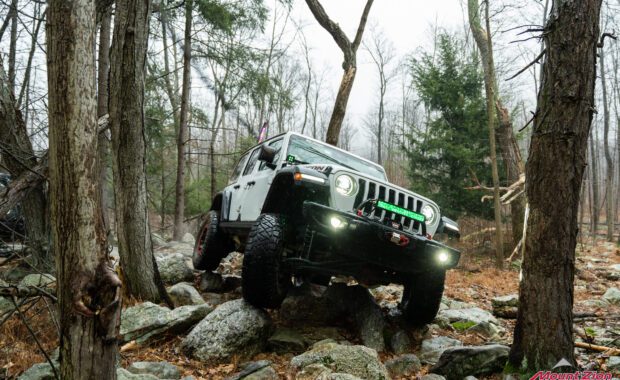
(332, 28)
(362, 26)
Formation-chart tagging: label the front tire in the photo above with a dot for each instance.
(211, 244)
(422, 297)
(264, 280)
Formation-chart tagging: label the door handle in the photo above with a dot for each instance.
(251, 183)
(236, 187)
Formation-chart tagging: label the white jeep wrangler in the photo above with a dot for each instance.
(302, 209)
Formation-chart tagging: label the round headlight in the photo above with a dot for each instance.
(345, 184)
(429, 213)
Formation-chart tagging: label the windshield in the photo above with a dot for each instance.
(310, 152)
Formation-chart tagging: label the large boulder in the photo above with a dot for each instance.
(459, 362)
(505, 306)
(123, 374)
(233, 328)
(183, 294)
(474, 315)
(39, 280)
(285, 341)
(431, 349)
(174, 268)
(162, 370)
(612, 295)
(334, 305)
(40, 371)
(403, 366)
(359, 361)
(147, 320)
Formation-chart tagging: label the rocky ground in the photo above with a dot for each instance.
(338, 332)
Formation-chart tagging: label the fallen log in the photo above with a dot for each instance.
(593, 347)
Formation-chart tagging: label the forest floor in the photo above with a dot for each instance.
(474, 282)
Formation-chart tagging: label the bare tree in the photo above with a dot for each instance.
(349, 50)
(128, 57)
(89, 293)
(179, 205)
(554, 173)
(609, 161)
(485, 45)
(382, 53)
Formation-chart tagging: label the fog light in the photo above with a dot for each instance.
(443, 257)
(336, 222)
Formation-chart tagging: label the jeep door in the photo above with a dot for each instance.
(233, 193)
(258, 181)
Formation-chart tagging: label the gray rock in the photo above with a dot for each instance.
(40, 371)
(285, 341)
(485, 329)
(401, 343)
(158, 240)
(183, 294)
(267, 373)
(233, 328)
(6, 305)
(404, 365)
(474, 314)
(613, 363)
(40, 280)
(342, 376)
(301, 306)
(431, 349)
(313, 372)
(174, 268)
(123, 374)
(147, 320)
(259, 370)
(172, 247)
(361, 305)
(211, 282)
(163, 370)
(470, 378)
(612, 295)
(359, 361)
(432, 376)
(509, 300)
(458, 362)
(188, 238)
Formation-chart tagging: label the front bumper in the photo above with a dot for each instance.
(365, 243)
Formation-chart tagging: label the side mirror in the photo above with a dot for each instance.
(267, 154)
(449, 227)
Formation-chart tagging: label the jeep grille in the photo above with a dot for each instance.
(372, 190)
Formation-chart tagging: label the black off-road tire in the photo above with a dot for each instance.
(264, 280)
(422, 297)
(212, 245)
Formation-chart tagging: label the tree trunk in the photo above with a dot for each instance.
(485, 45)
(13, 45)
(554, 171)
(609, 180)
(594, 212)
(88, 288)
(128, 59)
(349, 50)
(179, 204)
(103, 71)
(18, 157)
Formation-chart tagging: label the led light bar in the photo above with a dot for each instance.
(401, 211)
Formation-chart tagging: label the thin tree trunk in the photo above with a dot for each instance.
(88, 288)
(485, 45)
(179, 205)
(594, 184)
(33, 47)
(128, 60)
(103, 145)
(13, 46)
(349, 51)
(554, 171)
(609, 180)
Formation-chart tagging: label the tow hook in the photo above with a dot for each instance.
(398, 239)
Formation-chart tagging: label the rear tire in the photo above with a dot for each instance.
(264, 281)
(211, 244)
(422, 297)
